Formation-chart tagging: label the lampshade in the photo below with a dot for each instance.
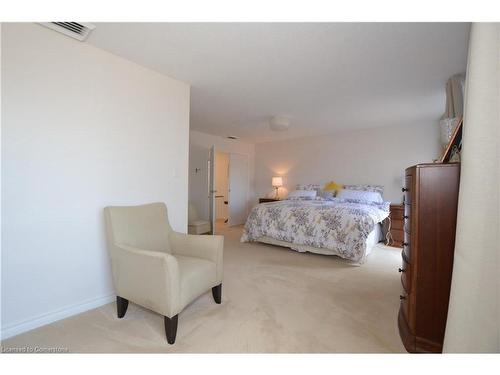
(277, 181)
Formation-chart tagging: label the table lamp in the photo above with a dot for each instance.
(277, 182)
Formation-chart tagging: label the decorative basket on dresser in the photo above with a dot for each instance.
(430, 210)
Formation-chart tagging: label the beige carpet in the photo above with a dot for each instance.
(274, 300)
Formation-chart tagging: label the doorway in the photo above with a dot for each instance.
(229, 190)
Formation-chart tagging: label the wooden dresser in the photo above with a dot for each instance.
(395, 229)
(430, 210)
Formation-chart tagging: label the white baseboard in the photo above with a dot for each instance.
(47, 318)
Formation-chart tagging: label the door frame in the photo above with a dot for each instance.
(211, 188)
(229, 182)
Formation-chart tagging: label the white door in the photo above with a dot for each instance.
(238, 188)
(211, 189)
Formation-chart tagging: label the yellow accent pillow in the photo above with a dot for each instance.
(332, 185)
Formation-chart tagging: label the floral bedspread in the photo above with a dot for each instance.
(338, 224)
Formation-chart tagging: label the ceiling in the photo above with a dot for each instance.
(325, 77)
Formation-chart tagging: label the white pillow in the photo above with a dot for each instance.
(307, 194)
(370, 196)
(375, 188)
(308, 187)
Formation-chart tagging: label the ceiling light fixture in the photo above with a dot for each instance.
(279, 123)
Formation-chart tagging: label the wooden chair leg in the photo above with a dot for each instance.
(217, 293)
(121, 306)
(171, 328)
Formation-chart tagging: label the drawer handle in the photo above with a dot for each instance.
(406, 217)
(402, 297)
(404, 189)
(401, 270)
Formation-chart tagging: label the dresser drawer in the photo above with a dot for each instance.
(397, 237)
(407, 226)
(396, 224)
(407, 218)
(406, 245)
(405, 271)
(404, 297)
(407, 190)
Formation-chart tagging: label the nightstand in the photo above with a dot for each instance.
(265, 200)
(396, 235)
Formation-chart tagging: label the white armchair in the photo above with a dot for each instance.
(157, 268)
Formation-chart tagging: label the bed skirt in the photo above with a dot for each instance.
(373, 238)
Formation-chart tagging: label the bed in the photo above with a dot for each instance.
(348, 228)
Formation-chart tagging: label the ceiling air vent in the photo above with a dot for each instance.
(76, 30)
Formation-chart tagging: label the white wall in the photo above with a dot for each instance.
(373, 156)
(82, 129)
(199, 146)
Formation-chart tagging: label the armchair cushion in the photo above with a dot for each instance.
(203, 247)
(196, 275)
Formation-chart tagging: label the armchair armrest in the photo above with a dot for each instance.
(148, 278)
(199, 246)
